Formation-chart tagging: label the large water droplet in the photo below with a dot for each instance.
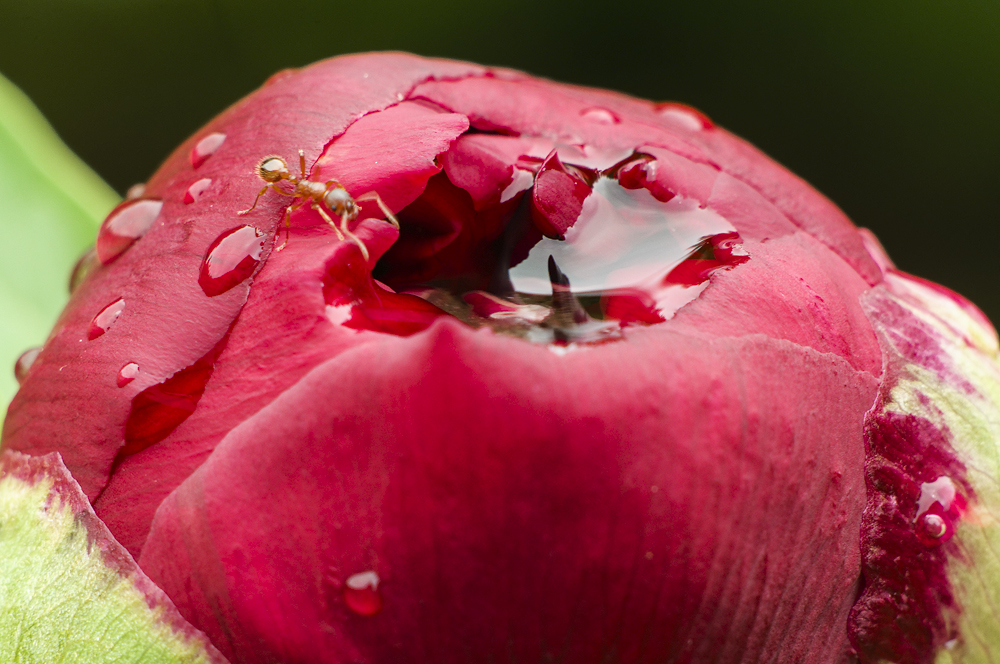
(127, 223)
(231, 259)
(361, 593)
(24, 362)
(196, 190)
(127, 374)
(573, 262)
(103, 321)
(205, 148)
(600, 115)
(84, 267)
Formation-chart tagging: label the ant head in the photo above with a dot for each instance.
(341, 203)
(272, 169)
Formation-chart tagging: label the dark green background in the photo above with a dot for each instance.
(889, 107)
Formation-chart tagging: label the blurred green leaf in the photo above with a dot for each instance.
(51, 204)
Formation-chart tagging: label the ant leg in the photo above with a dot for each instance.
(354, 238)
(288, 224)
(250, 209)
(343, 230)
(256, 200)
(316, 206)
(389, 216)
(302, 163)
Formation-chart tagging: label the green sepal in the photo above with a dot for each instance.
(957, 389)
(68, 591)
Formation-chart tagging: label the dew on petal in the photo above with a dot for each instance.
(941, 491)
(521, 180)
(128, 222)
(196, 191)
(205, 148)
(103, 321)
(135, 191)
(684, 116)
(600, 115)
(938, 508)
(638, 254)
(361, 593)
(84, 267)
(935, 525)
(24, 362)
(586, 253)
(231, 259)
(127, 374)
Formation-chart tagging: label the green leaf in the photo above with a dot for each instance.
(69, 592)
(51, 204)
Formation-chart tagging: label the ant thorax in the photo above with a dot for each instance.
(310, 189)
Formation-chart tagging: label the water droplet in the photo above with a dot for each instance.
(626, 250)
(105, 319)
(361, 593)
(86, 264)
(231, 259)
(574, 262)
(127, 374)
(935, 525)
(938, 508)
(684, 116)
(600, 115)
(205, 148)
(196, 190)
(940, 491)
(127, 223)
(24, 362)
(135, 191)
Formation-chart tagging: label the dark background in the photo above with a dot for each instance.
(889, 107)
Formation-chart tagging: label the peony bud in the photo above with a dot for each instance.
(504, 369)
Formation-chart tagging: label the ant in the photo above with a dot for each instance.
(273, 169)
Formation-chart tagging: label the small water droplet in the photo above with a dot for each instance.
(196, 190)
(685, 116)
(935, 525)
(135, 191)
(86, 264)
(361, 593)
(128, 222)
(105, 319)
(938, 508)
(600, 115)
(127, 374)
(24, 362)
(205, 148)
(231, 259)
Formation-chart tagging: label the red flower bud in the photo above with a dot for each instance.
(510, 370)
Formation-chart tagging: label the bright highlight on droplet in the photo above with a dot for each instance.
(361, 593)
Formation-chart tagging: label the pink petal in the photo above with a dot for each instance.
(489, 527)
